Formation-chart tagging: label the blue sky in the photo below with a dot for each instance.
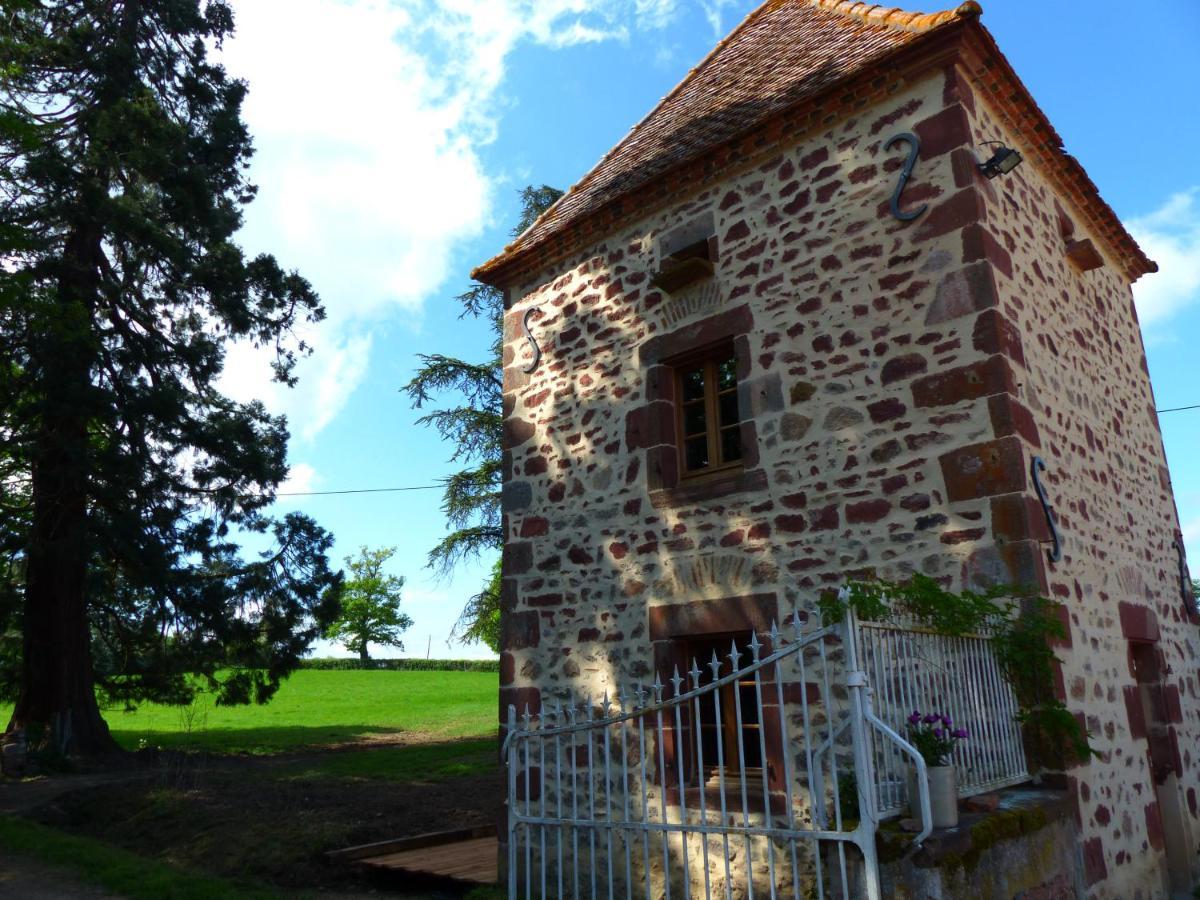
(392, 138)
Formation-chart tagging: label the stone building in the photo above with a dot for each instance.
(755, 351)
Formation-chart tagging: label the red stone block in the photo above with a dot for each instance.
(1010, 417)
(901, 367)
(985, 469)
(1018, 517)
(519, 630)
(964, 536)
(522, 698)
(867, 511)
(980, 244)
(1135, 712)
(825, 518)
(943, 131)
(752, 612)
(587, 635)
(508, 668)
(970, 382)
(791, 524)
(1138, 622)
(1094, 867)
(516, 432)
(995, 334)
(886, 410)
(964, 208)
(534, 526)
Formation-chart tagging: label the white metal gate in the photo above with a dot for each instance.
(654, 793)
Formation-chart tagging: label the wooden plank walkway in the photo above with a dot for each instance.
(468, 855)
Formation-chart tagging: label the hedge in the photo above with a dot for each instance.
(405, 665)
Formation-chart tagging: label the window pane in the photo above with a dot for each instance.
(729, 409)
(696, 453)
(693, 383)
(751, 749)
(726, 374)
(694, 419)
(731, 444)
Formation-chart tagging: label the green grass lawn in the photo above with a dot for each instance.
(421, 762)
(319, 707)
(120, 871)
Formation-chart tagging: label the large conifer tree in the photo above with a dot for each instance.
(471, 500)
(122, 180)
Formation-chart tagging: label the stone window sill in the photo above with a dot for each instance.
(699, 490)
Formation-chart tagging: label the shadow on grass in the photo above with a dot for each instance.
(413, 764)
(125, 873)
(264, 740)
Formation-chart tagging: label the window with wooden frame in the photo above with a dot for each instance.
(719, 714)
(708, 419)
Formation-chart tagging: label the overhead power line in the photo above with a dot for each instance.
(433, 487)
(387, 490)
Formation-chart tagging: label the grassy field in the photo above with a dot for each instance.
(317, 708)
(366, 756)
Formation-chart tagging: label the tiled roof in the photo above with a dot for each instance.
(785, 53)
(782, 52)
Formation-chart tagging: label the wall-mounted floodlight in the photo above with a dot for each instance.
(1003, 161)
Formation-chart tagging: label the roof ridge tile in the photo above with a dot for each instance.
(895, 16)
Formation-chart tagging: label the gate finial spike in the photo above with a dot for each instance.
(734, 655)
(774, 633)
(796, 623)
(676, 681)
(715, 665)
(605, 704)
(527, 717)
(695, 673)
(622, 701)
(754, 645)
(658, 688)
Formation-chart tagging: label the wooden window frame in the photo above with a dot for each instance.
(711, 357)
(700, 649)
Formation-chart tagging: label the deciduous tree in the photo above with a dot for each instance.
(122, 181)
(370, 604)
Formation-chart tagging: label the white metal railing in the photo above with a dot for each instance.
(913, 668)
(612, 800)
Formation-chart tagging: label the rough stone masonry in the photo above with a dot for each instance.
(896, 378)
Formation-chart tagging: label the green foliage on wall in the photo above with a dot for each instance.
(1022, 627)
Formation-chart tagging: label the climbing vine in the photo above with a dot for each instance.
(1021, 625)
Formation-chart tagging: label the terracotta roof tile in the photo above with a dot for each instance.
(784, 53)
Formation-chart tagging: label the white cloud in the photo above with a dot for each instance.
(1171, 237)
(368, 119)
(301, 478)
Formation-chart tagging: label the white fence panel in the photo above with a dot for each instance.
(911, 668)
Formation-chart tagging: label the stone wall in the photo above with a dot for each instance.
(895, 378)
(1070, 338)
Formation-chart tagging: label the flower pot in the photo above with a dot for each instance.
(943, 796)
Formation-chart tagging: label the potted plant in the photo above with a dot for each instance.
(934, 736)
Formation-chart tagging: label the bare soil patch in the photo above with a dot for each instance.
(266, 819)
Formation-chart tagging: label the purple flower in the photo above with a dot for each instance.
(959, 733)
(947, 721)
(931, 718)
(915, 718)
(937, 733)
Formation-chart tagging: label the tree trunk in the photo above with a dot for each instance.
(362, 652)
(57, 703)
